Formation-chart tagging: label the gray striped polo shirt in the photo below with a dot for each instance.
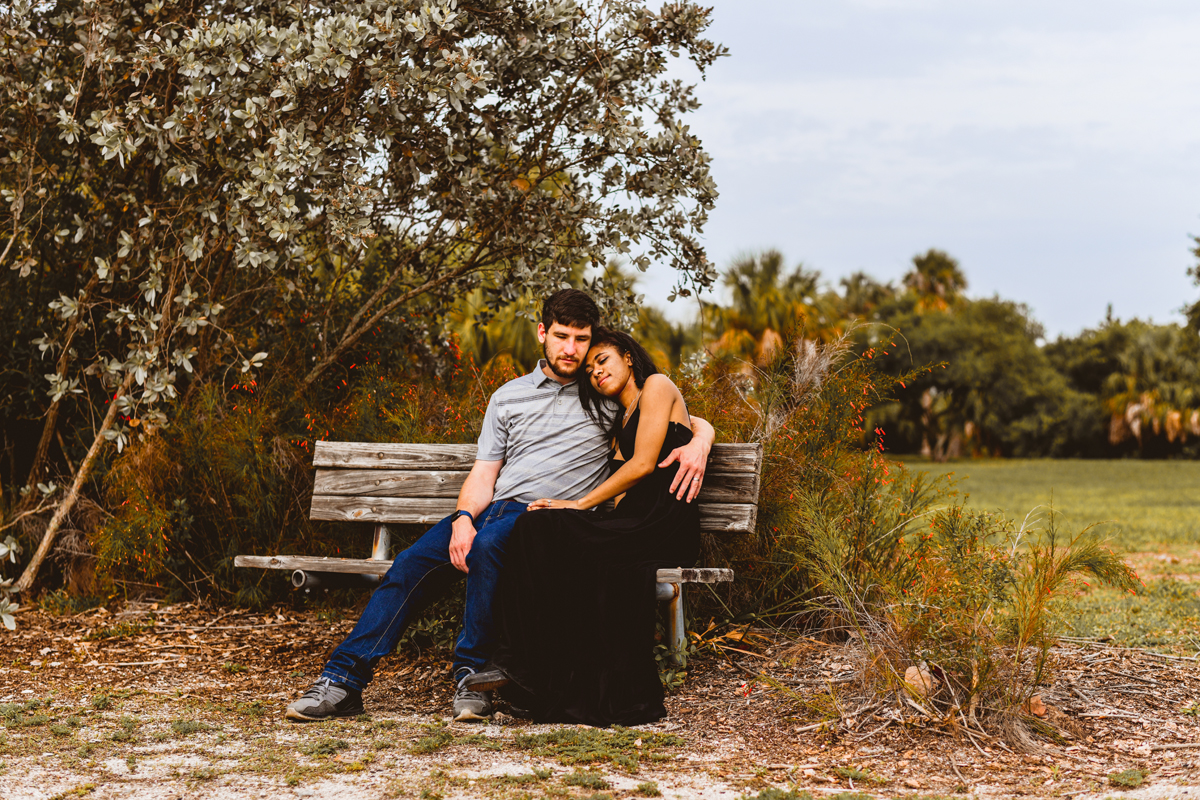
(549, 445)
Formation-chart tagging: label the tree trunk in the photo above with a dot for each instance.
(353, 334)
(64, 508)
(51, 424)
(43, 449)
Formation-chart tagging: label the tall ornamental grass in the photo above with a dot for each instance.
(851, 545)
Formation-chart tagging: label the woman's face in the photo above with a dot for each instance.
(608, 369)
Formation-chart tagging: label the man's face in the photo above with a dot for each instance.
(564, 347)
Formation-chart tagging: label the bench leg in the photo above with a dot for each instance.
(676, 642)
(381, 544)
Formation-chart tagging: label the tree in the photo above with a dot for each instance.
(991, 388)
(1193, 311)
(768, 303)
(862, 295)
(172, 167)
(936, 280)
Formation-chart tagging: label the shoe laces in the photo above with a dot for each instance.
(465, 693)
(319, 689)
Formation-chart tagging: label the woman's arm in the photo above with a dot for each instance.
(657, 401)
(692, 458)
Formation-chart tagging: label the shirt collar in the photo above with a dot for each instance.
(540, 378)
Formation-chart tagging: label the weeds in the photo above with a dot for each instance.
(186, 727)
(78, 791)
(856, 774)
(122, 630)
(128, 725)
(101, 702)
(324, 747)
(648, 789)
(1129, 779)
(586, 780)
(438, 738)
(16, 715)
(618, 745)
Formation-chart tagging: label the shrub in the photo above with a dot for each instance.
(232, 473)
(850, 542)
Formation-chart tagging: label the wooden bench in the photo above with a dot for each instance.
(419, 483)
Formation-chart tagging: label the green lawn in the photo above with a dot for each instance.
(1145, 504)
(1150, 510)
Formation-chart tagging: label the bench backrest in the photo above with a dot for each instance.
(419, 483)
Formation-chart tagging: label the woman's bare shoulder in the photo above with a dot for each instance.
(660, 385)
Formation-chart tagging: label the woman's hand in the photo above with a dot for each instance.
(548, 503)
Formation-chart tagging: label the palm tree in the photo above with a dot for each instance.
(769, 302)
(1157, 385)
(936, 279)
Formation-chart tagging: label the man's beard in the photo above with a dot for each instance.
(554, 368)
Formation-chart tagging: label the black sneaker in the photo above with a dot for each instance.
(486, 681)
(471, 704)
(325, 700)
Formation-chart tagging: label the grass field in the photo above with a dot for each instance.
(1144, 504)
(1150, 510)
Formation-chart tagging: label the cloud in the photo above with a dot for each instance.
(1051, 147)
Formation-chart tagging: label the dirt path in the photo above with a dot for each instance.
(182, 701)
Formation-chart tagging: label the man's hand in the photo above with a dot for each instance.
(548, 503)
(692, 458)
(463, 534)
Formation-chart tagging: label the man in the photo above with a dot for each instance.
(537, 441)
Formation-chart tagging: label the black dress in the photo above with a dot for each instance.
(575, 605)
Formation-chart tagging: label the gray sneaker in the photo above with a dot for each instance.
(325, 700)
(470, 704)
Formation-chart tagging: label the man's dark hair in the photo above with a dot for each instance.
(570, 307)
(642, 368)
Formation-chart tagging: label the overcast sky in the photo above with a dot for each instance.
(1052, 147)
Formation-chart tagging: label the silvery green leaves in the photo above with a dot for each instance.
(170, 163)
(7, 609)
(10, 548)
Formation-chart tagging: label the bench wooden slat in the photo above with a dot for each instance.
(725, 457)
(736, 487)
(389, 482)
(695, 575)
(368, 566)
(715, 517)
(394, 455)
(345, 566)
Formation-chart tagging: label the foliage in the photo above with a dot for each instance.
(992, 391)
(10, 548)
(936, 280)
(1193, 310)
(767, 303)
(190, 190)
(850, 541)
(807, 407)
(231, 475)
(985, 382)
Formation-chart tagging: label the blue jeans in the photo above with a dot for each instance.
(418, 576)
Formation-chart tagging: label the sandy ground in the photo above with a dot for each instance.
(154, 701)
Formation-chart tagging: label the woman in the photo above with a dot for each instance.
(575, 609)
